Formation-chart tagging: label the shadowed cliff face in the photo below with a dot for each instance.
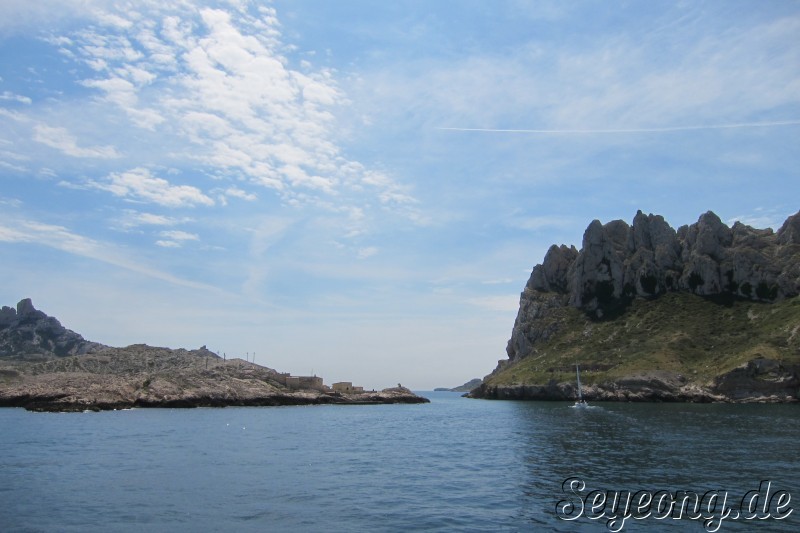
(26, 333)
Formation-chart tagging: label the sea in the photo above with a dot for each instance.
(455, 464)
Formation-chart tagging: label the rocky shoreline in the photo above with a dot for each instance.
(759, 381)
(143, 376)
(46, 367)
(58, 403)
(226, 384)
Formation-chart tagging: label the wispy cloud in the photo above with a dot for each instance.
(61, 238)
(61, 139)
(9, 96)
(772, 217)
(175, 238)
(623, 83)
(235, 192)
(268, 232)
(139, 184)
(216, 82)
(369, 251)
(133, 219)
(633, 130)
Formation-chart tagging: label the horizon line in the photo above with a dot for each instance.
(629, 130)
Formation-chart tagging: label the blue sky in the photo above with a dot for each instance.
(360, 189)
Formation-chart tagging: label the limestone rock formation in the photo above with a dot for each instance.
(28, 333)
(618, 262)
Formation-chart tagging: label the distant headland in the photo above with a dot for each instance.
(47, 367)
(466, 387)
(704, 313)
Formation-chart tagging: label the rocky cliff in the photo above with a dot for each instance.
(27, 333)
(623, 269)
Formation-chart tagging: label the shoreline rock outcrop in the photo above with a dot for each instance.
(757, 381)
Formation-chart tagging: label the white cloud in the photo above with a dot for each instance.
(10, 202)
(369, 251)
(216, 83)
(9, 96)
(132, 219)
(61, 139)
(140, 185)
(13, 115)
(762, 218)
(123, 93)
(175, 238)
(65, 240)
(114, 20)
(236, 192)
(14, 168)
(177, 235)
(24, 17)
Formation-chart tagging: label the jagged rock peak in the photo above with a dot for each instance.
(790, 231)
(618, 262)
(25, 307)
(28, 332)
(552, 275)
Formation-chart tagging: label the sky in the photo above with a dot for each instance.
(358, 189)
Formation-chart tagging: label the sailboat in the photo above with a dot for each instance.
(580, 402)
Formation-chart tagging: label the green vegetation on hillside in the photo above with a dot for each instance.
(678, 332)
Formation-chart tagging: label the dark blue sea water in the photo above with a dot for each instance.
(452, 465)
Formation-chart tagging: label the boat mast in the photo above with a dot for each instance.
(578, 371)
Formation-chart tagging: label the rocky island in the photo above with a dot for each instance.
(46, 367)
(703, 313)
(466, 387)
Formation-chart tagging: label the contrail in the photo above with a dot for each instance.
(634, 130)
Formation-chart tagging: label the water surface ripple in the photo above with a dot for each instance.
(451, 465)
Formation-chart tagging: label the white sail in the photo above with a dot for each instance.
(580, 402)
